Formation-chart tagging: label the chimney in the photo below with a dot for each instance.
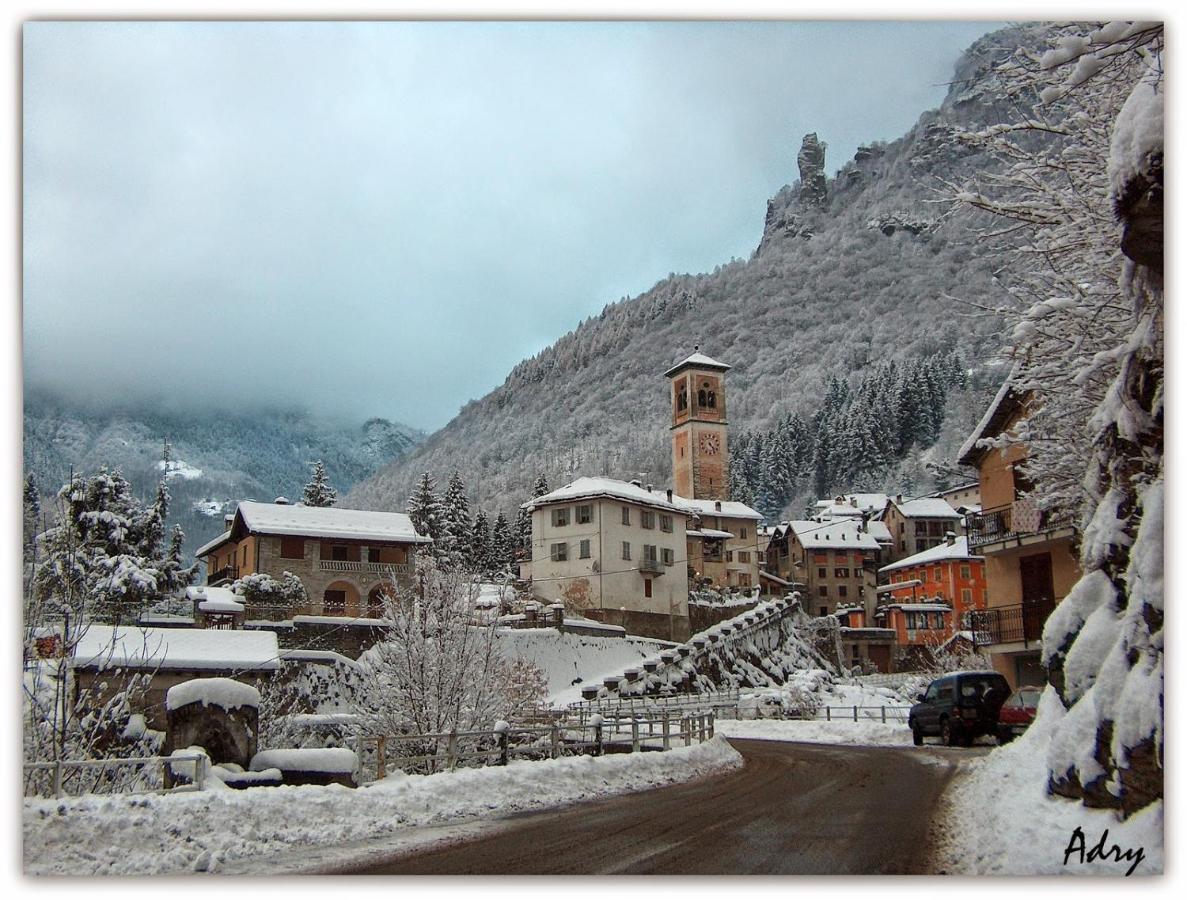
(898, 499)
(669, 495)
(951, 536)
(649, 487)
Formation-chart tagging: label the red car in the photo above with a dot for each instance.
(1017, 713)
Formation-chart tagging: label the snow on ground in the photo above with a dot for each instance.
(245, 830)
(864, 733)
(179, 468)
(996, 818)
(570, 660)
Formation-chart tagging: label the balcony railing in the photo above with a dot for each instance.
(651, 566)
(346, 565)
(1002, 523)
(1022, 623)
(223, 576)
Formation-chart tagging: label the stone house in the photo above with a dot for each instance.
(833, 558)
(345, 558)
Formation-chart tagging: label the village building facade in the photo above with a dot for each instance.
(946, 574)
(347, 559)
(919, 524)
(1030, 555)
(834, 560)
(613, 551)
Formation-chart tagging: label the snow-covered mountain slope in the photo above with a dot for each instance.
(217, 457)
(866, 273)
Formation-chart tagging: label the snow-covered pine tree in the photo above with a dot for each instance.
(480, 558)
(523, 519)
(424, 509)
(502, 553)
(318, 492)
(1088, 335)
(31, 517)
(457, 525)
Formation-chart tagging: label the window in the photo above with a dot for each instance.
(966, 596)
(822, 573)
(292, 548)
(244, 555)
(966, 572)
(585, 549)
(584, 515)
(647, 519)
(743, 579)
(626, 515)
(560, 517)
(822, 591)
(560, 552)
(338, 553)
(921, 528)
(935, 575)
(649, 552)
(840, 573)
(743, 556)
(842, 591)
(334, 603)
(729, 555)
(669, 556)
(373, 554)
(646, 587)
(935, 529)
(824, 610)
(665, 523)
(742, 533)
(712, 404)
(626, 549)
(762, 556)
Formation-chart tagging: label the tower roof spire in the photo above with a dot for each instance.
(697, 360)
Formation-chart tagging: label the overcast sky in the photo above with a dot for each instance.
(383, 218)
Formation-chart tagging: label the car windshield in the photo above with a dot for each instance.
(1028, 698)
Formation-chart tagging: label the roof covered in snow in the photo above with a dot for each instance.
(298, 520)
(832, 534)
(697, 360)
(191, 649)
(586, 488)
(729, 508)
(1003, 403)
(927, 508)
(958, 549)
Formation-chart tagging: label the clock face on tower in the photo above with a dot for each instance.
(709, 444)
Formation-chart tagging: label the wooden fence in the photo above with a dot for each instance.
(595, 736)
(151, 779)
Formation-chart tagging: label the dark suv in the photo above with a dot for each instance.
(959, 707)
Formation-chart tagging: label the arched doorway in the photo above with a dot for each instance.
(377, 601)
(341, 598)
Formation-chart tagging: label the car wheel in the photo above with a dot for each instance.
(916, 734)
(947, 736)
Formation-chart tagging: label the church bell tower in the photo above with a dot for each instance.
(700, 454)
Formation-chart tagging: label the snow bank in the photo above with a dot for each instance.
(175, 834)
(335, 760)
(225, 692)
(996, 818)
(864, 733)
(570, 660)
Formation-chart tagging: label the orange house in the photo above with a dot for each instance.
(945, 577)
(918, 624)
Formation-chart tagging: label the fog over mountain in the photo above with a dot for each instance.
(383, 218)
(851, 270)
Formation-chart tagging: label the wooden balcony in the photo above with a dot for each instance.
(225, 575)
(369, 568)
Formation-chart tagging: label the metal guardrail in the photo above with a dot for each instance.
(61, 767)
(1001, 523)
